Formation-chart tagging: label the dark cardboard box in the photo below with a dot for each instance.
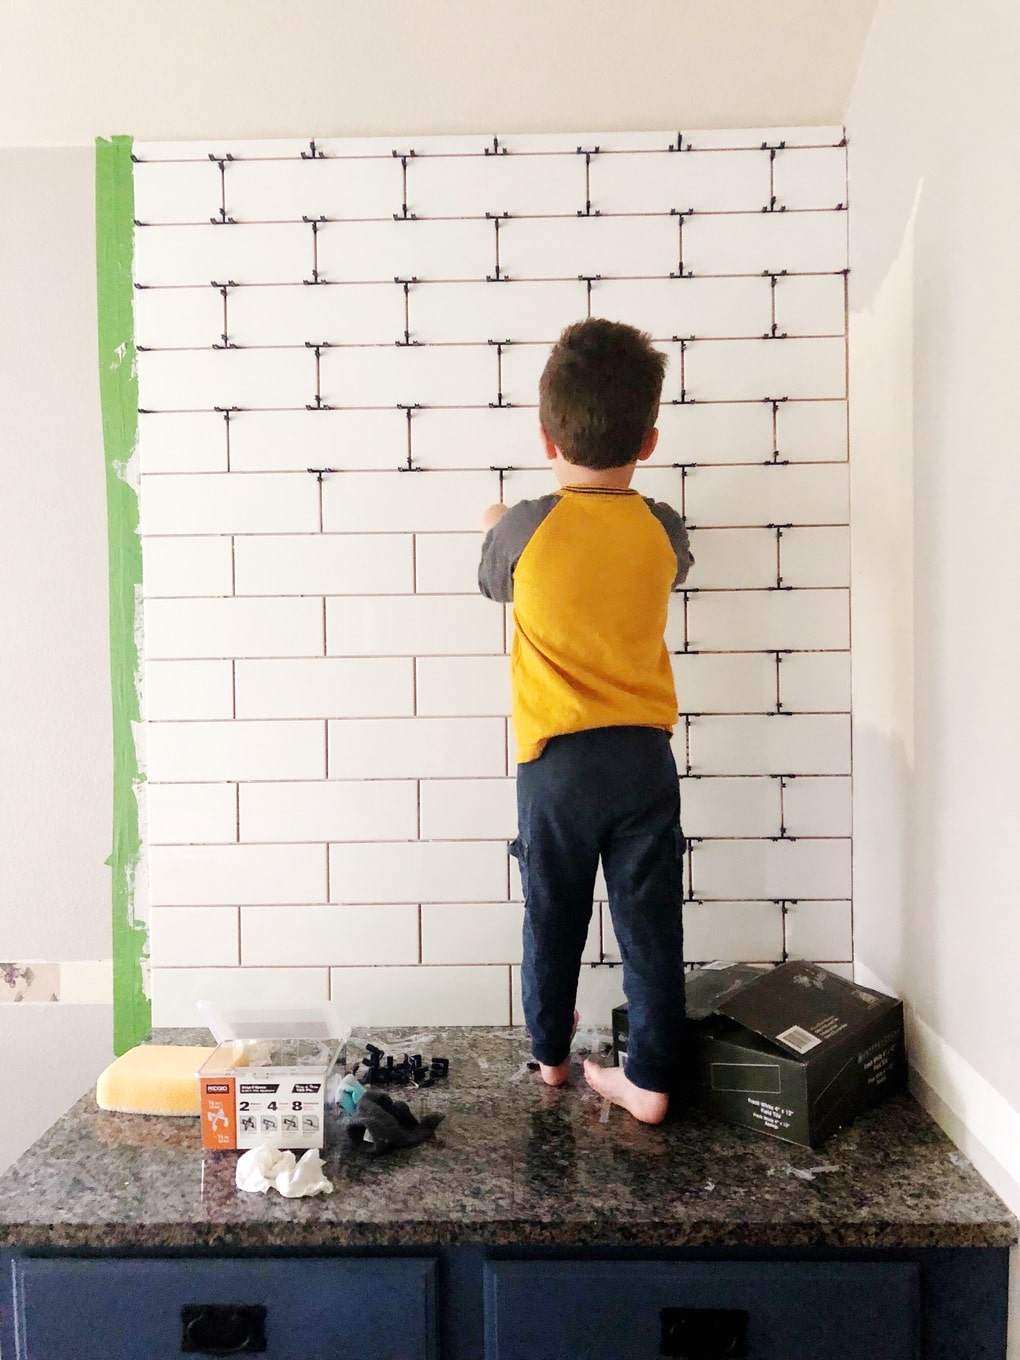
(793, 1051)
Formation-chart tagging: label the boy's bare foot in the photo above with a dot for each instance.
(560, 1074)
(613, 1085)
(555, 1076)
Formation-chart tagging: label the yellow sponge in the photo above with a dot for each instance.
(153, 1079)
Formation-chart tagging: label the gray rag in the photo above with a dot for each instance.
(389, 1123)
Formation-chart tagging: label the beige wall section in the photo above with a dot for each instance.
(52, 1053)
(933, 120)
(259, 68)
(55, 738)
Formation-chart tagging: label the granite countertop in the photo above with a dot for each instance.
(513, 1164)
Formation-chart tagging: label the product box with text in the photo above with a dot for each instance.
(794, 1051)
(266, 1093)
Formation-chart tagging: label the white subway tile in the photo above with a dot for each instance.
(413, 748)
(443, 313)
(166, 318)
(767, 620)
(776, 869)
(418, 871)
(468, 809)
(778, 744)
(330, 809)
(812, 431)
(472, 686)
(473, 186)
(811, 304)
(812, 177)
(565, 247)
(714, 432)
(336, 935)
(661, 182)
(527, 484)
(417, 624)
(815, 682)
(400, 502)
(200, 379)
(335, 314)
(816, 557)
(274, 441)
(458, 933)
(707, 138)
(818, 806)
(598, 991)
(733, 559)
(733, 930)
(819, 930)
(266, 191)
(409, 375)
(731, 370)
(236, 875)
(191, 814)
(520, 371)
(422, 996)
(188, 689)
(201, 751)
(720, 806)
(326, 687)
(182, 441)
(379, 252)
(201, 255)
(504, 436)
(233, 627)
(686, 307)
(447, 564)
(757, 243)
(176, 991)
(229, 503)
(193, 937)
(255, 149)
(720, 683)
(186, 566)
(772, 494)
(184, 192)
(323, 564)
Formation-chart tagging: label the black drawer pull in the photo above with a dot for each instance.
(703, 1333)
(223, 1329)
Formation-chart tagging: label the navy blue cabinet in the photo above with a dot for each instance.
(279, 1309)
(597, 1310)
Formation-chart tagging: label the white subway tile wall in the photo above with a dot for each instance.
(339, 346)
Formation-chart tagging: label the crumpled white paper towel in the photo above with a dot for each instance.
(262, 1167)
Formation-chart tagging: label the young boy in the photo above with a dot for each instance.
(589, 570)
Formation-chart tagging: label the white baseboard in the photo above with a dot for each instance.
(980, 1121)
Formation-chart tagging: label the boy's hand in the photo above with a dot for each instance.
(491, 517)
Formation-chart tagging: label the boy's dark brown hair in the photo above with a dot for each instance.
(598, 395)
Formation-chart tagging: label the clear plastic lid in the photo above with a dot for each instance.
(273, 1022)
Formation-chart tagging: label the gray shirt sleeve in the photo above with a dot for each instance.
(505, 542)
(676, 530)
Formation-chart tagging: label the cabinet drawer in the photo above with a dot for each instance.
(281, 1310)
(606, 1310)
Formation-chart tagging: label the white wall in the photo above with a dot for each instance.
(201, 68)
(69, 73)
(935, 198)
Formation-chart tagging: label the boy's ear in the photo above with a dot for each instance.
(648, 446)
(551, 450)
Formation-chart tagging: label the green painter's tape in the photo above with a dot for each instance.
(118, 390)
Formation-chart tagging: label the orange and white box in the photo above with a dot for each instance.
(266, 1093)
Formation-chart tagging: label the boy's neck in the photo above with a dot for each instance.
(573, 474)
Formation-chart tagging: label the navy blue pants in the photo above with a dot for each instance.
(612, 793)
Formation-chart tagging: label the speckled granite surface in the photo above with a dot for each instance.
(513, 1164)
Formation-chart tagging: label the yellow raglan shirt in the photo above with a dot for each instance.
(590, 571)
